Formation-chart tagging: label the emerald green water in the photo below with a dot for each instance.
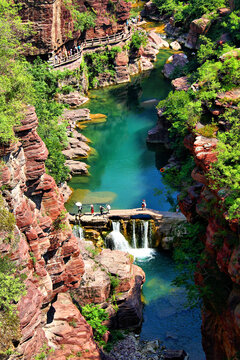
(165, 316)
(123, 170)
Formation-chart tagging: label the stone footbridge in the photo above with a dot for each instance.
(165, 222)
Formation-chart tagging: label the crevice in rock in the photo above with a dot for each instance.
(58, 284)
(66, 259)
(50, 314)
(49, 255)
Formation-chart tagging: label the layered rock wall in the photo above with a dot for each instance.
(53, 21)
(218, 272)
(43, 245)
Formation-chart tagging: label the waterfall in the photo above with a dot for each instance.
(78, 232)
(134, 242)
(116, 241)
(116, 226)
(145, 234)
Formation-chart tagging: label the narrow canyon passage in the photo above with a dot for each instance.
(124, 170)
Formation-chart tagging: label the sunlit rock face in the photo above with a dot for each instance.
(48, 253)
(53, 23)
(219, 270)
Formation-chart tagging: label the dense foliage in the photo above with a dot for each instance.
(95, 317)
(186, 11)
(101, 63)
(83, 20)
(15, 82)
(11, 290)
(139, 38)
(215, 73)
(52, 131)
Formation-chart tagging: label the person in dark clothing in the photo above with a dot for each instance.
(101, 209)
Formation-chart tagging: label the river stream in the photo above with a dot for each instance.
(124, 170)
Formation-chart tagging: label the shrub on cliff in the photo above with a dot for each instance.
(185, 12)
(101, 63)
(15, 82)
(83, 20)
(52, 132)
(95, 317)
(139, 39)
(11, 290)
(225, 173)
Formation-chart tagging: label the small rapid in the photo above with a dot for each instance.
(116, 241)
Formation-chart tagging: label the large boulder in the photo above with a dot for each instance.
(96, 286)
(77, 167)
(197, 27)
(181, 83)
(176, 60)
(76, 115)
(157, 41)
(175, 45)
(73, 99)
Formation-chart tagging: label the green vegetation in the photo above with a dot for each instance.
(101, 63)
(44, 352)
(184, 12)
(187, 253)
(15, 82)
(185, 109)
(11, 290)
(95, 316)
(83, 20)
(52, 132)
(139, 38)
(7, 223)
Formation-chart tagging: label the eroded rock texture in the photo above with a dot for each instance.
(218, 272)
(45, 246)
(53, 21)
(51, 257)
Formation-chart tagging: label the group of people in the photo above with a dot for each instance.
(107, 208)
(65, 54)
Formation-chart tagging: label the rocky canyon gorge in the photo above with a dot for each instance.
(62, 272)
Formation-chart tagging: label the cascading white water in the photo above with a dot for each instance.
(116, 226)
(118, 242)
(145, 234)
(116, 239)
(78, 232)
(134, 242)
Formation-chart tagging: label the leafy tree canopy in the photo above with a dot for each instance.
(15, 83)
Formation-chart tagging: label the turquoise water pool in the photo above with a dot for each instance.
(123, 169)
(165, 316)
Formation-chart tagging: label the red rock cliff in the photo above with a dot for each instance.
(53, 24)
(47, 250)
(219, 271)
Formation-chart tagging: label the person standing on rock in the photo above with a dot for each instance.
(101, 209)
(92, 209)
(144, 205)
(79, 205)
(108, 207)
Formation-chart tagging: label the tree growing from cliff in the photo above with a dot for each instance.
(51, 130)
(83, 20)
(15, 82)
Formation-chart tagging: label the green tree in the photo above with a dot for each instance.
(51, 130)
(15, 82)
(83, 20)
